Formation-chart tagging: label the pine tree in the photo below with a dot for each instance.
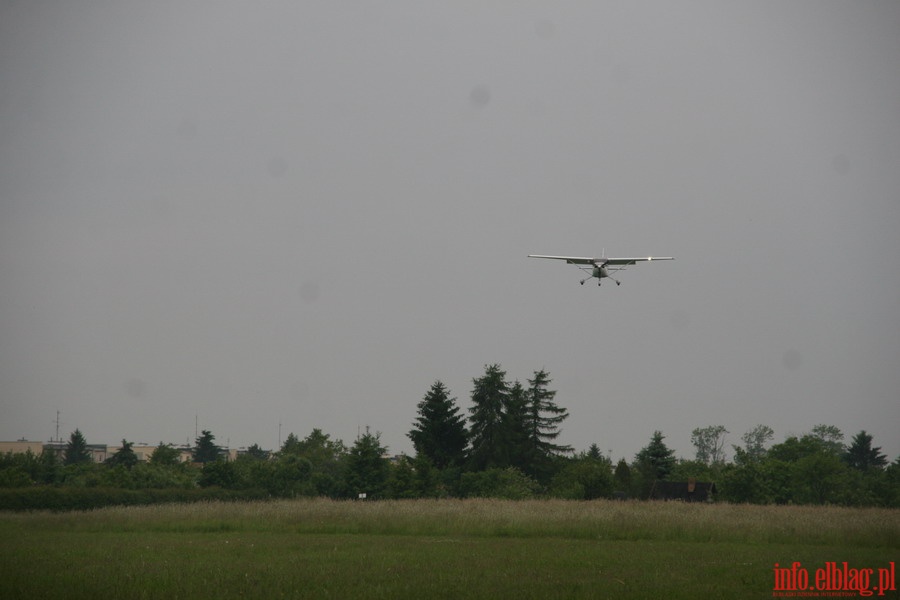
(489, 397)
(440, 432)
(77, 450)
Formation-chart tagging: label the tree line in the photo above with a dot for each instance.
(506, 446)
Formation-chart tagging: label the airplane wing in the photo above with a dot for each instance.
(581, 260)
(631, 261)
(572, 260)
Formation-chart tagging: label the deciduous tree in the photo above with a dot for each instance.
(831, 437)
(320, 464)
(257, 453)
(165, 455)
(218, 473)
(710, 444)
(291, 445)
(583, 478)
(755, 442)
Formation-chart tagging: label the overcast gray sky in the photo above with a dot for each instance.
(307, 212)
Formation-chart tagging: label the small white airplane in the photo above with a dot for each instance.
(601, 267)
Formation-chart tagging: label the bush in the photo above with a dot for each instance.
(509, 484)
(13, 477)
(583, 479)
(83, 498)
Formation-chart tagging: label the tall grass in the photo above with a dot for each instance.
(594, 520)
(429, 549)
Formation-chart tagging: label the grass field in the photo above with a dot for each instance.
(433, 549)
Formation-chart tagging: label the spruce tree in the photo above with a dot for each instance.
(489, 396)
(656, 458)
(124, 456)
(862, 456)
(440, 432)
(367, 469)
(48, 467)
(206, 450)
(516, 447)
(544, 417)
(622, 476)
(77, 450)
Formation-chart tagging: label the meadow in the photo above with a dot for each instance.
(317, 548)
